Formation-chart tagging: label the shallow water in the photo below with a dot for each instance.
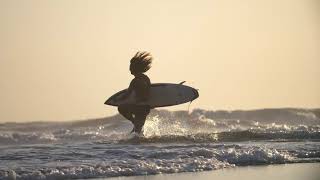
(172, 142)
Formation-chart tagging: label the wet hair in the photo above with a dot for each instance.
(141, 62)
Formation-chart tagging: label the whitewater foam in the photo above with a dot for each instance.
(172, 142)
(106, 161)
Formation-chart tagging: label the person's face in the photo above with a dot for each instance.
(131, 71)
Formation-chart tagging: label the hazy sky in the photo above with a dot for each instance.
(61, 59)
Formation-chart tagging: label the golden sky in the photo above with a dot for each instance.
(61, 59)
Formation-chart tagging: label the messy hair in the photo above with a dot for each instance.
(141, 62)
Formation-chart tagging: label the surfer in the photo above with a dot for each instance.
(140, 85)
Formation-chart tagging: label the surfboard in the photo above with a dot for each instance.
(161, 95)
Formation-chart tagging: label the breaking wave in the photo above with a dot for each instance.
(180, 126)
(172, 142)
(146, 160)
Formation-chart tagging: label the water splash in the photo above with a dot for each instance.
(172, 142)
(156, 126)
(200, 125)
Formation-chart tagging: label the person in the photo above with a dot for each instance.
(140, 85)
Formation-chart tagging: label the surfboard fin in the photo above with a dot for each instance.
(182, 82)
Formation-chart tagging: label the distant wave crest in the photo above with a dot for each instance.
(178, 126)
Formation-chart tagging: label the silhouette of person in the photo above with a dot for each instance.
(140, 85)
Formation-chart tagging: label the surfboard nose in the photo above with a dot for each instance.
(196, 93)
(108, 101)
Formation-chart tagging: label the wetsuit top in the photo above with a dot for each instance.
(141, 85)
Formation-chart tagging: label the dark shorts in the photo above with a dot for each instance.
(135, 109)
(136, 114)
(140, 112)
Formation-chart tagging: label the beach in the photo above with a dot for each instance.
(300, 171)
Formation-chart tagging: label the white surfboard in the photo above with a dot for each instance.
(161, 95)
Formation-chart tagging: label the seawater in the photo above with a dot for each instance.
(172, 142)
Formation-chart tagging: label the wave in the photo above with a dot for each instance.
(249, 135)
(172, 142)
(177, 126)
(310, 133)
(147, 160)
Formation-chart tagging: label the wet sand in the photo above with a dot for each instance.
(298, 171)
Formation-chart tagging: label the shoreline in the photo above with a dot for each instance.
(296, 171)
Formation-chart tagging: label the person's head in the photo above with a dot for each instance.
(140, 63)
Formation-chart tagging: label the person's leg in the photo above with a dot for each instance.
(126, 111)
(133, 114)
(139, 123)
(141, 114)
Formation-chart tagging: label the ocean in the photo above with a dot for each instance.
(172, 142)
